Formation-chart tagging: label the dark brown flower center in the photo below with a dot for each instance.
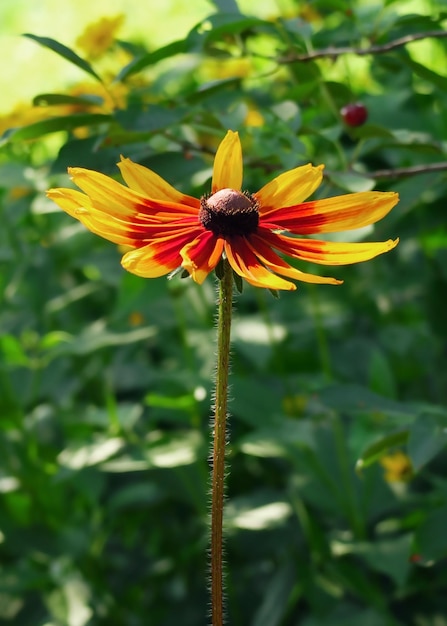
(228, 212)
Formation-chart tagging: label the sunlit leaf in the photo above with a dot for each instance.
(56, 124)
(65, 52)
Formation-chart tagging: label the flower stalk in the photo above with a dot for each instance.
(225, 303)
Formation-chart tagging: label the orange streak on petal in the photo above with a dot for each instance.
(289, 188)
(330, 215)
(202, 255)
(150, 184)
(227, 172)
(245, 263)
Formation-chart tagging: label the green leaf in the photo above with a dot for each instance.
(357, 399)
(279, 439)
(390, 557)
(226, 6)
(56, 124)
(351, 181)
(50, 99)
(65, 53)
(218, 27)
(140, 63)
(154, 119)
(89, 153)
(12, 351)
(426, 74)
(381, 377)
(427, 437)
(431, 538)
(373, 453)
(80, 455)
(238, 282)
(274, 605)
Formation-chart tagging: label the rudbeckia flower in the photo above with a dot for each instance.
(167, 229)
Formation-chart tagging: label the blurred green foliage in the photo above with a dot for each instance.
(337, 499)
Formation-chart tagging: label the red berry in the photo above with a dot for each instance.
(354, 114)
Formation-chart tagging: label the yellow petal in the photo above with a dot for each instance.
(159, 257)
(113, 198)
(329, 252)
(289, 188)
(245, 263)
(131, 230)
(106, 193)
(78, 205)
(227, 172)
(330, 215)
(202, 255)
(150, 184)
(276, 264)
(337, 253)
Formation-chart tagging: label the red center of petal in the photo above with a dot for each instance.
(229, 212)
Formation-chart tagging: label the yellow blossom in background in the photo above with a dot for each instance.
(308, 13)
(227, 68)
(113, 95)
(22, 114)
(254, 118)
(19, 192)
(397, 466)
(295, 405)
(99, 36)
(136, 319)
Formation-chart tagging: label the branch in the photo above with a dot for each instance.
(403, 172)
(333, 53)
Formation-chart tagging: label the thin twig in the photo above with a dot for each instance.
(332, 52)
(402, 172)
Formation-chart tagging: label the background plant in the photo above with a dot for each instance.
(337, 508)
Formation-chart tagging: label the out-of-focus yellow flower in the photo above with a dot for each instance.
(254, 118)
(227, 68)
(22, 115)
(19, 192)
(295, 405)
(136, 318)
(308, 13)
(99, 36)
(397, 466)
(114, 96)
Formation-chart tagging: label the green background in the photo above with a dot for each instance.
(106, 378)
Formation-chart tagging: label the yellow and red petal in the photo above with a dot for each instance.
(289, 189)
(151, 185)
(330, 215)
(202, 255)
(131, 230)
(275, 263)
(327, 252)
(245, 263)
(113, 198)
(227, 171)
(159, 257)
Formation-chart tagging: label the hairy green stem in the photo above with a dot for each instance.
(220, 415)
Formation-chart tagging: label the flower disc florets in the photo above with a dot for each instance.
(229, 213)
